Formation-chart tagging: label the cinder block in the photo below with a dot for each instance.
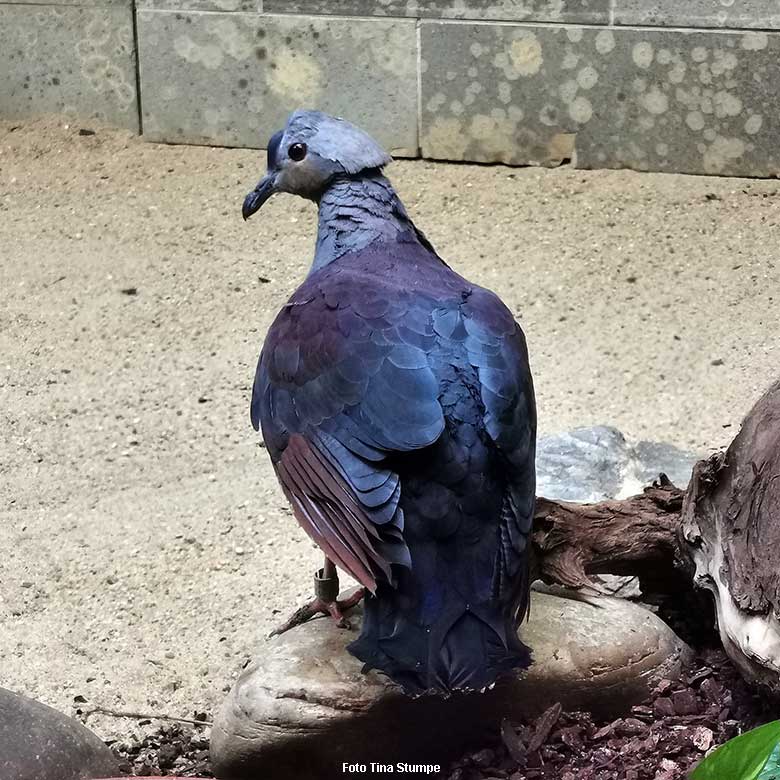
(233, 78)
(752, 14)
(576, 11)
(663, 100)
(63, 58)
(248, 6)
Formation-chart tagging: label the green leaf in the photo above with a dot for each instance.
(771, 770)
(741, 758)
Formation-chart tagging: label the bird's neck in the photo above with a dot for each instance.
(356, 211)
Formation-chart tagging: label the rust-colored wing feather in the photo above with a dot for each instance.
(330, 512)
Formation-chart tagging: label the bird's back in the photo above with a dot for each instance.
(396, 402)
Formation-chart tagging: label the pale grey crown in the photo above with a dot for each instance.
(335, 139)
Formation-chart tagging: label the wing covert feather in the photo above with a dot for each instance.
(334, 406)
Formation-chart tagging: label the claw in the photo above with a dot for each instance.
(325, 602)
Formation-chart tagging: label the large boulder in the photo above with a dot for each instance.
(303, 707)
(39, 743)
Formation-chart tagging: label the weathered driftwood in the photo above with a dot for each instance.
(636, 536)
(731, 534)
(722, 534)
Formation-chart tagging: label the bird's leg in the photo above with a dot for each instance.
(325, 601)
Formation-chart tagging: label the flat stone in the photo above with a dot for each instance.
(39, 743)
(303, 706)
(662, 100)
(232, 79)
(67, 59)
(757, 14)
(585, 11)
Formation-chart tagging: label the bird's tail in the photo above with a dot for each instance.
(468, 646)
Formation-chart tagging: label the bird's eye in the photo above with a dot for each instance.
(297, 152)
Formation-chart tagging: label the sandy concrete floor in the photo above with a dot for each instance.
(144, 544)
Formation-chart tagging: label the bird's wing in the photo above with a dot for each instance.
(496, 346)
(339, 388)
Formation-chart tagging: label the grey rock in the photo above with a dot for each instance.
(597, 463)
(756, 14)
(587, 464)
(39, 743)
(585, 11)
(233, 78)
(662, 100)
(303, 706)
(62, 58)
(652, 458)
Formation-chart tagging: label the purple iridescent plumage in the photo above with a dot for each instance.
(396, 403)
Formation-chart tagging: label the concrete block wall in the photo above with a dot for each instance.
(671, 85)
(69, 56)
(232, 77)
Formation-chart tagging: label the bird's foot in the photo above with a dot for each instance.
(325, 602)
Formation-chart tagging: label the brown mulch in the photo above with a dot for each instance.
(660, 740)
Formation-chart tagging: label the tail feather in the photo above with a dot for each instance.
(467, 647)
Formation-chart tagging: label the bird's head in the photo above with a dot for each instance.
(313, 149)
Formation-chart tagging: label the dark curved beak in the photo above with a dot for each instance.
(258, 196)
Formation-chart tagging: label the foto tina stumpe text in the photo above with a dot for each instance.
(400, 768)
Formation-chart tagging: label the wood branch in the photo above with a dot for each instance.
(144, 716)
(636, 536)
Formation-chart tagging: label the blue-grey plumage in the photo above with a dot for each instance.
(396, 403)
